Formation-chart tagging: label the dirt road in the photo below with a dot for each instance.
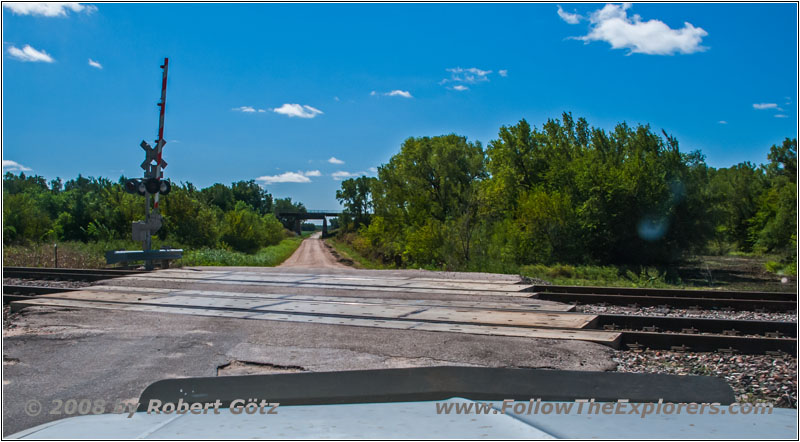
(312, 253)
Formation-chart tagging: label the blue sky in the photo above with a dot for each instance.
(277, 92)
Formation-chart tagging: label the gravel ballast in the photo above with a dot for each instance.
(46, 283)
(687, 313)
(754, 378)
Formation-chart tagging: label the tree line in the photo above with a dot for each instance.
(242, 216)
(563, 193)
(568, 193)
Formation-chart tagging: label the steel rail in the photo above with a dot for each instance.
(13, 293)
(637, 332)
(729, 327)
(45, 273)
(678, 293)
(786, 305)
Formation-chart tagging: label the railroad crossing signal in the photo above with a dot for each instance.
(149, 185)
(152, 184)
(153, 159)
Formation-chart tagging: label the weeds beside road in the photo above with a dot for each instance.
(79, 255)
(729, 272)
(734, 271)
(266, 257)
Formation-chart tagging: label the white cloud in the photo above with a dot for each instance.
(296, 110)
(334, 160)
(459, 77)
(399, 93)
(244, 109)
(723, 122)
(612, 25)
(13, 166)
(468, 75)
(341, 174)
(30, 54)
(373, 93)
(762, 106)
(373, 169)
(313, 173)
(780, 116)
(286, 177)
(568, 17)
(95, 64)
(47, 9)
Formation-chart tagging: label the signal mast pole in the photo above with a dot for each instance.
(160, 141)
(153, 184)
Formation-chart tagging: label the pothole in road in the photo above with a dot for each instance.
(237, 368)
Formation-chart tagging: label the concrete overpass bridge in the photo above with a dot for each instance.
(299, 217)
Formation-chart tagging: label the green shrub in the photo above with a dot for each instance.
(246, 231)
(562, 274)
(23, 219)
(782, 268)
(265, 257)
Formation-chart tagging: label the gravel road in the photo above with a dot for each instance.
(312, 253)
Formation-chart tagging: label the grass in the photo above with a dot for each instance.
(346, 251)
(612, 276)
(781, 268)
(71, 254)
(733, 272)
(91, 255)
(266, 257)
(557, 274)
(728, 272)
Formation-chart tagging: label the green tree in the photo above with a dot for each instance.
(252, 194)
(23, 219)
(431, 185)
(219, 195)
(574, 193)
(356, 196)
(189, 220)
(773, 228)
(736, 192)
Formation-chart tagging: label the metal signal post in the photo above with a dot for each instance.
(152, 185)
(160, 141)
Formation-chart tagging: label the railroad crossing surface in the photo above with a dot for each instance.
(112, 339)
(350, 298)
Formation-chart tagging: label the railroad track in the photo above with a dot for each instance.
(702, 335)
(697, 299)
(637, 332)
(58, 274)
(13, 293)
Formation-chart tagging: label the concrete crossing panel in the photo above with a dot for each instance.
(258, 296)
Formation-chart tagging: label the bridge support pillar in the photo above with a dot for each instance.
(324, 227)
(297, 226)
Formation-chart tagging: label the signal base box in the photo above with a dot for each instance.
(164, 255)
